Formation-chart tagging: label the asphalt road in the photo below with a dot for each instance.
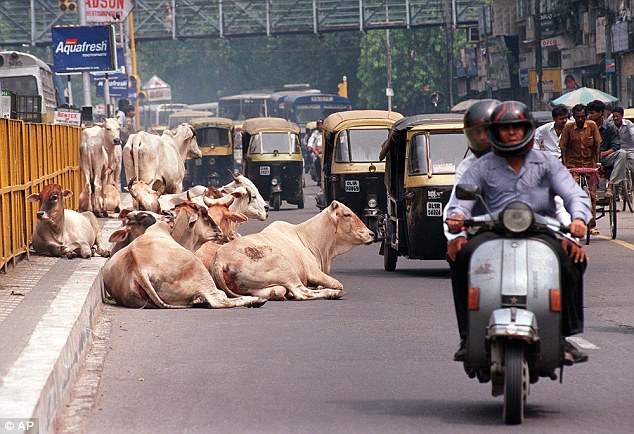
(377, 361)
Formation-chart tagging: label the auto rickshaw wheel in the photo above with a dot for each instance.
(276, 201)
(390, 256)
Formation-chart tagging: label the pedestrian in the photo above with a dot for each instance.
(626, 133)
(128, 128)
(516, 171)
(579, 144)
(120, 115)
(611, 156)
(314, 146)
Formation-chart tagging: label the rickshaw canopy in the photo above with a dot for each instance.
(212, 122)
(256, 125)
(437, 121)
(177, 118)
(339, 120)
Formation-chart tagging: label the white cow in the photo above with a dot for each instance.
(155, 271)
(97, 152)
(148, 157)
(250, 202)
(286, 260)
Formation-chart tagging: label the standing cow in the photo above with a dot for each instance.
(64, 232)
(97, 155)
(285, 259)
(148, 157)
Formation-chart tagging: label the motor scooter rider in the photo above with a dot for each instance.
(514, 171)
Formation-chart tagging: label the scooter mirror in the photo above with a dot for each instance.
(467, 191)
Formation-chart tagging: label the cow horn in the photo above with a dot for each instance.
(233, 175)
(131, 181)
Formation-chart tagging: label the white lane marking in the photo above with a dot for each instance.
(586, 345)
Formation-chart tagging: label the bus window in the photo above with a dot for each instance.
(24, 85)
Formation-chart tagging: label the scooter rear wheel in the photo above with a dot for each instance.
(516, 382)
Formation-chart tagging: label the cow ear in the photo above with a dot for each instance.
(192, 220)
(238, 217)
(35, 197)
(124, 212)
(67, 193)
(118, 235)
(158, 185)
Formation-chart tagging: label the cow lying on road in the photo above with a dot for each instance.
(155, 271)
(284, 260)
(64, 232)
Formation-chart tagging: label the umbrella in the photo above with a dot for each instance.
(583, 95)
(462, 106)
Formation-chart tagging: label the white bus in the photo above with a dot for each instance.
(25, 75)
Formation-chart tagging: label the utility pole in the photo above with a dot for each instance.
(538, 53)
(449, 26)
(85, 76)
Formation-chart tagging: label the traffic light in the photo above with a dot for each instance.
(343, 87)
(142, 96)
(67, 5)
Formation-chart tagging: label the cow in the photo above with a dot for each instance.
(149, 196)
(148, 157)
(112, 199)
(193, 226)
(135, 223)
(96, 156)
(284, 260)
(155, 271)
(64, 232)
(251, 203)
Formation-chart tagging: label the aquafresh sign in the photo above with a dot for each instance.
(83, 48)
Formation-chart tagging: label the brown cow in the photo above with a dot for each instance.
(64, 232)
(155, 271)
(285, 259)
(135, 223)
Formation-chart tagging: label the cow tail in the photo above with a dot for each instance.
(146, 284)
(218, 275)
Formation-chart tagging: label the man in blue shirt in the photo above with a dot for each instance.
(514, 171)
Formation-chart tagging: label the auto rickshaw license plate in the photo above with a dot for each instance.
(434, 209)
(352, 186)
(265, 170)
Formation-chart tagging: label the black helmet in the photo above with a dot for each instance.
(511, 113)
(477, 116)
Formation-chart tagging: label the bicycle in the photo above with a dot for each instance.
(609, 202)
(626, 191)
(587, 177)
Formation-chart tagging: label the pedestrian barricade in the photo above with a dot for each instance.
(31, 156)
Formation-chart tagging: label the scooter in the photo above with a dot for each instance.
(514, 303)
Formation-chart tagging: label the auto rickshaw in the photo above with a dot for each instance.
(421, 156)
(272, 159)
(352, 171)
(215, 140)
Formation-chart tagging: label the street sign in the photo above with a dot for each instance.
(610, 65)
(157, 90)
(118, 81)
(107, 11)
(83, 48)
(67, 117)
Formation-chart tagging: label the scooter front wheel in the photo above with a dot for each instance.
(516, 382)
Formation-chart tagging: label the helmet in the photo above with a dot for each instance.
(511, 113)
(477, 117)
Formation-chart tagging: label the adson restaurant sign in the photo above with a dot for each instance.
(83, 48)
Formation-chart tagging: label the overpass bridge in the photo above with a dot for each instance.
(30, 21)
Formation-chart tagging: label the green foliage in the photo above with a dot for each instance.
(418, 58)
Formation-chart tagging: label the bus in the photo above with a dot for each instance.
(31, 79)
(211, 107)
(303, 107)
(244, 106)
(154, 118)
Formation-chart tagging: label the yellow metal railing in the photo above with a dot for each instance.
(31, 156)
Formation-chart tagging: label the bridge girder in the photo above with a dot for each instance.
(161, 19)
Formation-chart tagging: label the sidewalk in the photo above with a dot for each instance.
(47, 309)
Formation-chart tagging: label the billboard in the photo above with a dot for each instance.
(107, 11)
(118, 81)
(83, 48)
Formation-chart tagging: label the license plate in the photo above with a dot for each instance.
(352, 186)
(434, 209)
(265, 170)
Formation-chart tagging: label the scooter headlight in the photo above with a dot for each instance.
(372, 203)
(274, 181)
(517, 217)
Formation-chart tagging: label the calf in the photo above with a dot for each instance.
(64, 232)
(155, 271)
(135, 223)
(285, 259)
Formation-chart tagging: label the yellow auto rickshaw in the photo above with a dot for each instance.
(272, 159)
(421, 156)
(215, 140)
(352, 172)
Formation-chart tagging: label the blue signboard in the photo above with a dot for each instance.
(83, 48)
(118, 81)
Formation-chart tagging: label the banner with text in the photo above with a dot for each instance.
(83, 48)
